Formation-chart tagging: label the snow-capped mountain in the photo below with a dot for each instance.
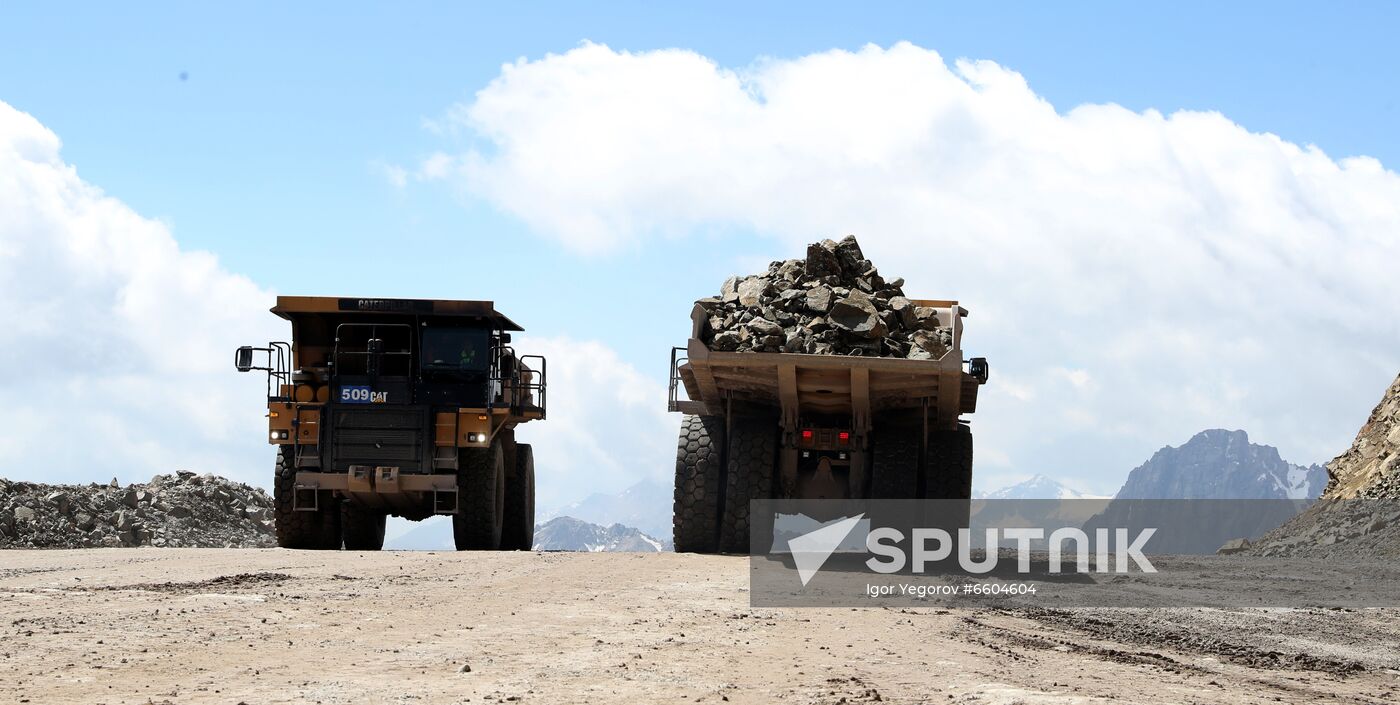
(1038, 487)
(558, 534)
(570, 534)
(645, 505)
(1220, 464)
(1242, 490)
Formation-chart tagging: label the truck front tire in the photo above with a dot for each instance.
(699, 470)
(519, 531)
(318, 530)
(481, 485)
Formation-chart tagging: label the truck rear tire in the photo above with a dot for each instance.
(895, 474)
(481, 496)
(519, 531)
(362, 527)
(699, 470)
(948, 477)
(949, 467)
(318, 530)
(753, 448)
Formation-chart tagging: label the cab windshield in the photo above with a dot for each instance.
(456, 349)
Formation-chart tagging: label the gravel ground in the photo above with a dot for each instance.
(273, 626)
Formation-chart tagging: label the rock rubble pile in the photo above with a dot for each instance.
(180, 510)
(833, 302)
(1358, 516)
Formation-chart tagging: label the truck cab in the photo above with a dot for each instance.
(399, 407)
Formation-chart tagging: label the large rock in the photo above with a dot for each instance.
(856, 314)
(822, 260)
(926, 345)
(751, 291)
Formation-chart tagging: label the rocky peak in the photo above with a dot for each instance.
(1222, 464)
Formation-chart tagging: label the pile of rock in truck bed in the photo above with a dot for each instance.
(833, 302)
(180, 510)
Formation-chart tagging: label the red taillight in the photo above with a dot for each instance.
(806, 434)
(844, 437)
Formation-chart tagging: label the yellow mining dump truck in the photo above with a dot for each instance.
(763, 425)
(402, 407)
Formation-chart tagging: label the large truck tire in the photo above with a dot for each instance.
(753, 448)
(948, 476)
(895, 474)
(699, 470)
(362, 527)
(318, 530)
(481, 498)
(518, 533)
(949, 467)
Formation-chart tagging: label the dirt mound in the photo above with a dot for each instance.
(180, 510)
(834, 302)
(1358, 515)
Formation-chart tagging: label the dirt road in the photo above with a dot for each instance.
(272, 626)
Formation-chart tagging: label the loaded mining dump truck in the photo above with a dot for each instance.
(817, 380)
(402, 407)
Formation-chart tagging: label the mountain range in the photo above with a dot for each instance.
(1240, 490)
(570, 534)
(645, 505)
(1220, 464)
(557, 534)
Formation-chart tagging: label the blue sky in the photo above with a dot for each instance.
(265, 154)
(271, 152)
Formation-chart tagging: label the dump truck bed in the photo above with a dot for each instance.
(826, 384)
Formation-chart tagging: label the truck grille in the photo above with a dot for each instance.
(393, 436)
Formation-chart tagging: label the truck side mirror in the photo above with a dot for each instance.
(978, 369)
(243, 358)
(505, 339)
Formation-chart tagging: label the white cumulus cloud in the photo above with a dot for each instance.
(1190, 273)
(118, 347)
(118, 352)
(607, 425)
